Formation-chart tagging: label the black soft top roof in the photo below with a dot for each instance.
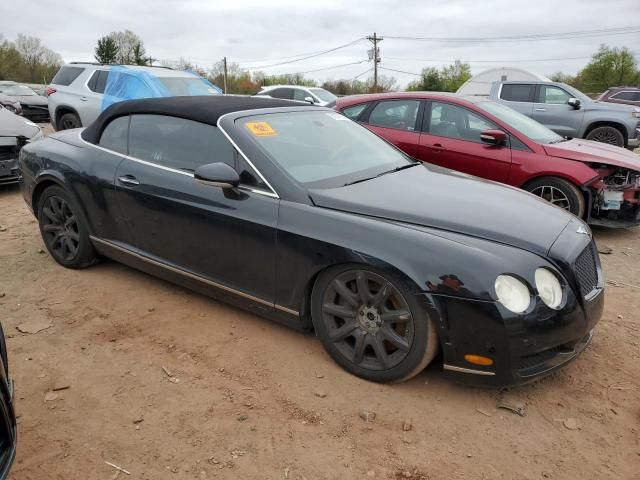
(203, 109)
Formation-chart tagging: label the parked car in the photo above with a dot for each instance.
(570, 113)
(15, 132)
(34, 107)
(80, 91)
(597, 182)
(8, 429)
(625, 95)
(311, 220)
(10, 104)
(318, 96)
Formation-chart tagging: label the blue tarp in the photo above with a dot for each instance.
(125, 83)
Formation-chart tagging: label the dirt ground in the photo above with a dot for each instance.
(168, 384)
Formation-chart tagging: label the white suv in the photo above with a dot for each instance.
(77, 93)
(318, 96)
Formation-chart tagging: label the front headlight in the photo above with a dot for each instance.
(549, 288)
(11, 108)
(512, 293)
(636, 114)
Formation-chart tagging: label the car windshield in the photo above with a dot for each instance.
(323, 95)
(523, 124)
(322, 149)
(16, 90)
(187, 86)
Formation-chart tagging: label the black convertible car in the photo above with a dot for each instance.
(8, 430)
(301, 215)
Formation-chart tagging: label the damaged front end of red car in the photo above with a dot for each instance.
(615, 197)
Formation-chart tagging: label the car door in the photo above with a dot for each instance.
(519, 96)
(227, 236)
(90, 104)
(552, 110)
(395, 121)
(451, 138)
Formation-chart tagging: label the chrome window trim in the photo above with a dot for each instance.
(235, 145)
(182, 172)
(193, 276)
(453, 368)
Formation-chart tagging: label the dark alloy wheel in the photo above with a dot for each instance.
(69, 121)
(64, 232)
(373, 326)
(559, 192)
(610, 135)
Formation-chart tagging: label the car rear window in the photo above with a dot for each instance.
(517, 92)
(66, 75)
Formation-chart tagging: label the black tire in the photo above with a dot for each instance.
(388, 337)
(553, 189)
(606, 134)
(69, 121)
(64, 229)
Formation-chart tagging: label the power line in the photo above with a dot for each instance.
(361, 74)
(333, 66)
(400, 71)
(489, 61)
(526, 38)
(323, 52)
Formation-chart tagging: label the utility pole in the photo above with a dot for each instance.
(224, 63)
(375, 55)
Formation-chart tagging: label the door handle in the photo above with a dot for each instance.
(436, 147)
(541, 109)
(84, 99)
(128, 180)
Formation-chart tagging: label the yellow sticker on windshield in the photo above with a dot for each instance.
(261, 129)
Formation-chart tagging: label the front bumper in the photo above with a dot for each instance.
(9, 172)
(633, 143)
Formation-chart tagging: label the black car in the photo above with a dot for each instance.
(301, 215)
(34, 107)
(8, 430)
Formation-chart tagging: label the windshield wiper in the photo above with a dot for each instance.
(560, 140)
(397, 169)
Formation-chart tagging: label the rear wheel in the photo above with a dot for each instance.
(69, 121)
(559, 192)
(606, 134)
(372, 324)
(64, 230)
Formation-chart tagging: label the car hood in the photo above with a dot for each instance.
(594, 152)
(435, 197)
(6, 99)
(12, 125)
(31, 100)
(608, 106)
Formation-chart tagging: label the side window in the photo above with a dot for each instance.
(354, 112)
(452, 121)
(114, 136)
(285, 93)
(628, 96)
(248, 176)
(98, 81)
(553, 95)
(299, 94)
(399, 114)
(91, 84)
(66, 76)
(177, 143)
(517, 92)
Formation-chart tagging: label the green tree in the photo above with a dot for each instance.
(38, 60)
(609, 67)
(129, 48)
(453, 76)
(139, 53)
(106, 51)
(430, 81)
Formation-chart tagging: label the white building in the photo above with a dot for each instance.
(480, 84)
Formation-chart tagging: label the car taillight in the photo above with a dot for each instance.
(49, 91)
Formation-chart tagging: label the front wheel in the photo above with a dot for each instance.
(372, 324)
(610, 135)
(559, 192)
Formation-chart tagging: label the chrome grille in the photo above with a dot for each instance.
(586, 270)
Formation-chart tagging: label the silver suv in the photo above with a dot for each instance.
(570, 113)
(77, 92)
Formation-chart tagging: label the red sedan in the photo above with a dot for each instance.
(598, 182)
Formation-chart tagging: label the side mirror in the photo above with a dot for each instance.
(217, 175)
(493, 137)
(574, 102)
(309, 99)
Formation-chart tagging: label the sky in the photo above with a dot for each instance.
(257, 34)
